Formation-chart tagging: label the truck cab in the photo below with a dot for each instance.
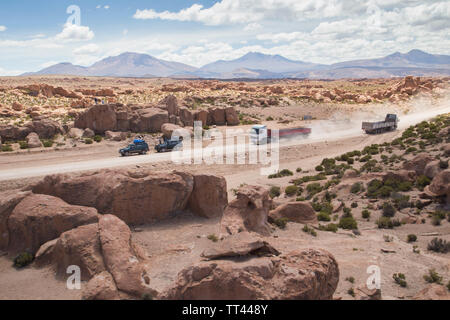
(260, 134)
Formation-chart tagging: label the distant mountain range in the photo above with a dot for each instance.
(260, 66)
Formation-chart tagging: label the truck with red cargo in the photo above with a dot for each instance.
(260, 134)
(389, 124)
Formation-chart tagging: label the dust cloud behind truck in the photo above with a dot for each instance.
(260, 134)
(389, 124)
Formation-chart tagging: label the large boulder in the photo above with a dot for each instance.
(149, 120)
(80, 246)
(75, 133)
(33, 140)
(8, 201)
(440, 185)
(248, 212)
(401, 175)
(418, 163)
(116, 136)
(124, 260)
(238, 245)
(168, 129)
(209, 196)
(231, 116)
(432, 169)
(45, 128)
(99, 118)
(186, 117)
(136, 197)
(101, 287)
(201, 115)
(10, 132)
(217, 116)
(298, 275)
(40, 218)
(170, 103)
(300, 212)
(108, 258)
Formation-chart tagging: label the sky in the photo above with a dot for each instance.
(39, 33)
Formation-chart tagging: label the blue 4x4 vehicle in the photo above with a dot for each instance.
(169, 145)
(138, 147)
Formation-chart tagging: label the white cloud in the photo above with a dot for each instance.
(252, 27)
(106, 7)
(2, 28)
(73, 32)
(91, 48)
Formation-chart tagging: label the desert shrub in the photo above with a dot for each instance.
(299, 170)
(309, 230)
(88, 141)
(319, 168)
(350, 161)
(422, 181)
(291, 190)
(411, 238)
(404, 186)
(356, 187)
(147, 296)
(274, 192)
(354, 205)
(365, 214)
(23, 145)
(448, 286)
(351, 292)
(439, 245)
(281, 174)
(348, 223)
(213, 238)
(98, 138)
(443, 164)
(372, 188)
(323, 216)
(400, 279)
(23, 259)
(387, 223)
(47, 143)
(435, 220)
(331, 227)
(385, 191)
(281, 222)
(314, 188)
(401, 201)
(350, 279)
(6, 148)
(347, 212)
(316, 206)
(388, 210)
(432, 277)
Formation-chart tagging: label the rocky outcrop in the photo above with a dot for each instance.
(238, 245)
(41, 218)
(433, 292)
(432, 169)
(248, 212)
(168, 129)
(298, 275)
(116, 135)
(33, 140)
(209, 196)
(418, 163)
(149, 120)
(99, 118)
(107, 256)
(136, 197)
(300, 212)
(440, 185)
(216, 116)
(8, 201)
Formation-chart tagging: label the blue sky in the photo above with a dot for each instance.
(35, 34)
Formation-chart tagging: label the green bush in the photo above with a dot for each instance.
(88, 141)
(411, 238)
(47, 143)
(356, 187)
(6, 148)
(347, 212)
(23, 145)
(388, 210)
(422, 181)
(98, 138)
(365, 214)
(309, 230)
(331, 227)
(274, 192)
(314, 188)
(439, 245)
(432, 277)
(23, 259)
(323, 216)
(400, 279)
(281, 174)
(385, 223)
(319, 168)
(354, 205)
(348, 223)
(291, 190)
(281, 222)
(213, 238)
